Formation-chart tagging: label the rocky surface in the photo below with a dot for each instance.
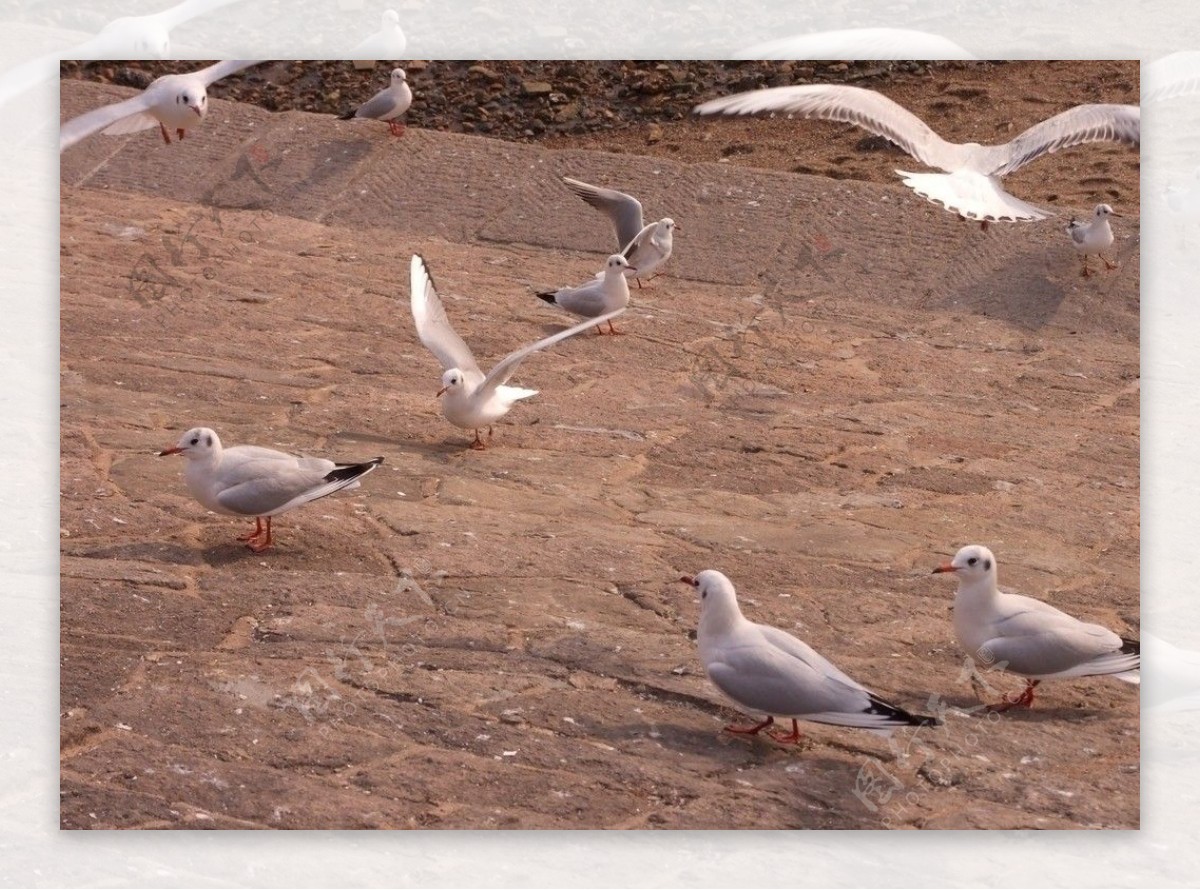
(834, 386)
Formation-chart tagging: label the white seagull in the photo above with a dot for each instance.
(1093, 237)
(171, 102)
(388, 104)
(128, 37)
(1171, 76)
(388, 42)
(261, 482)
(971, 184)
(596, 299)
(859, 43)
(768, 670)
(472, 400)
(646, 246)
(1028, 637)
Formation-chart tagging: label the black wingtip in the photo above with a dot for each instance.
(348, 472)
(546, 295)
(1130, 647)
(899, 715)
(348, 115)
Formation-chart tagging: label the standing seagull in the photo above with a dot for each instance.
(971, 184)
(1028, 637)
(472, 400)
(388, 42)
(1093, 237)
(596, 298)
(645, 246)
(261, 482)
(173, 102)
(388, 104)
(768, 670)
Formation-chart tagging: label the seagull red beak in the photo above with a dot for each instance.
(172, 450)
(688, 579)
(199, 113)
(442, 390)
(944, 568)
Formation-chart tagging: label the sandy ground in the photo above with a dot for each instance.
(836, 385)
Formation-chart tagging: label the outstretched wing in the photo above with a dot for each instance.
(508, 365)
(186, 11)
(1075, 126)
(858, 43)
(872, 111)
(625, 211)
(108, 116)
(213, 73)
(433, 327)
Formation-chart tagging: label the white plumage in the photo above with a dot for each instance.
(1022, 635)
(769, 671)
(971, 184)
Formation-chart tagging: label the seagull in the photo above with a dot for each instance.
(645, 246)
(859, 43)
(597, 298)
(1028, 637)
(388, 42)
(971, 184)
(768, 670)
(1093, 237)
(128, 37)
(261, 482)
(388, 104)
(472, 400)
(1171, 76)
(173, 102)
(1174, 681)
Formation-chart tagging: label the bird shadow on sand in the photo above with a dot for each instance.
(1018, 291)
(1039, 713)
(230, 553)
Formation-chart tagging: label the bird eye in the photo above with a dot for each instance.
(196, 441)
(972, 561)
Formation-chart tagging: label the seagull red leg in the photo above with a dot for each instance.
(750, 730)
(478, 444)
(180, 133)
(792, 738)
(259, 546)
(166, 136)
(1024, 700)
(258, 530)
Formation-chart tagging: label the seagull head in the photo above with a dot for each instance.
(617, 264)
(398, 76)
(136, 37)
(713, 587)
(972, 563)
(197, 443)
(1103, 211)
(452, 379)
(195, 99)
(669, 224)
